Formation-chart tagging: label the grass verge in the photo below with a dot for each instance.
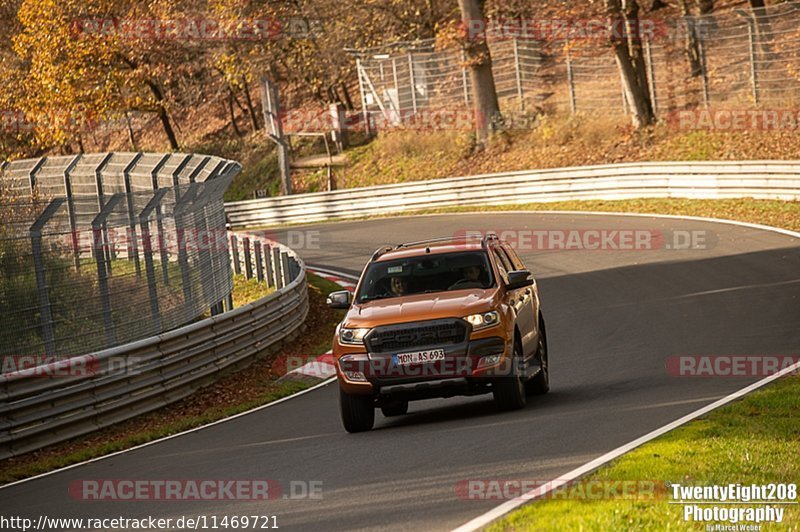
(234, 393)
(753, 441)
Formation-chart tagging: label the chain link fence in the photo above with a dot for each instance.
(100, 250)
(737, 59)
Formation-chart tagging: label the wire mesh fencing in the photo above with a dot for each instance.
(100, 250)
(735, 59)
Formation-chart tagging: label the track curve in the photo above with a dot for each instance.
(614, 317)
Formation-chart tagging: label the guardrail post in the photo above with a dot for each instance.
(45, 310)
(278, 268)
(147, 249)
(259, 266)
(248, 265)
(237, 268)
(269, 275)
(100, 245)
(286, 271)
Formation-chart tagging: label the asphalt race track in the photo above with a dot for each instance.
(613, 319)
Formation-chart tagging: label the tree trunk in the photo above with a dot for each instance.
(232, 114)
(763, 27)
(162, 114)
(487, 109)
(706, 6)
(692, 42)
(250, 109)
(131, 136)
(630, 60)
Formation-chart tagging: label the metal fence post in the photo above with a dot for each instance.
(133, 244)
(364, 111)
(248, 263)
(519, 75)
(162, 248)
(73, 227)
(34, 171)
(100, 243)
(753, 67)
(259, 266)
(147, 250)
(180, 215)
(464, 78)
(651, 71)
(45, 311)
(237, 268)
(286, 273)
(703, 66)
(278, 268)
(397, 90)
(270, 276)
(413, 82)
(573, 102)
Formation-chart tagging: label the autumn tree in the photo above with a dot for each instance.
(479, 61)
(626, 42)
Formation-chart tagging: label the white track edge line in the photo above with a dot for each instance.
(513, 504)
(350, 276)
(171, 436)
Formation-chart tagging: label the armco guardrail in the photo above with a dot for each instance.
(97, 390)
(757, 179)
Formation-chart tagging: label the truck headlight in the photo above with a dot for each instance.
(483, 320)
(352, 336)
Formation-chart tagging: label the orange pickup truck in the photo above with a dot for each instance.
(439, 318)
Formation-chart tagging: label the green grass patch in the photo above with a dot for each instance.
(753, 441)
(248, 290)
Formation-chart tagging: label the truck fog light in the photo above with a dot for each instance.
(490, 360)
(355, 376)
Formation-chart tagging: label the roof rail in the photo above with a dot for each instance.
(380, 251)
(488, 237)
(428, 241)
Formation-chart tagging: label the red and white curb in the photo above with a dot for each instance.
(322, 367)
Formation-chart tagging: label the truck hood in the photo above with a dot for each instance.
(421, 307)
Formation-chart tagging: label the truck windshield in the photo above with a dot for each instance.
(426, 274)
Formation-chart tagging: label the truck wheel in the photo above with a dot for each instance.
(509, 390)
(399, 408)
(540, 384)
(358, 414)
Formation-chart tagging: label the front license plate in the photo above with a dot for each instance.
(404, 359)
